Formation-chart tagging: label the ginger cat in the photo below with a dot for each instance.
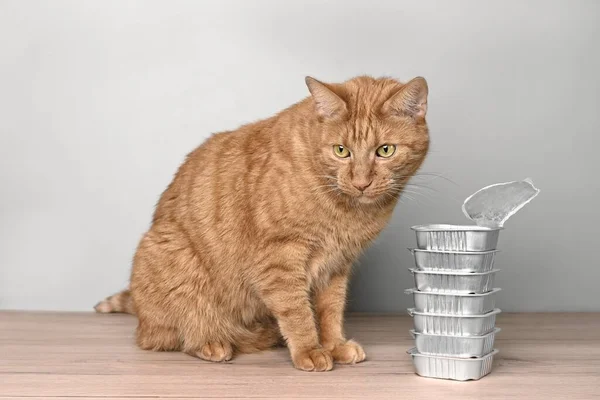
(252, 243)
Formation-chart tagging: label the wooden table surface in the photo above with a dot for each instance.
(85, 355)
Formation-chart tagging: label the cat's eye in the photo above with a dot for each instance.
(385, 151)
(341, 151)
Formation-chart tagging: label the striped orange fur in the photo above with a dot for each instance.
(252, 243)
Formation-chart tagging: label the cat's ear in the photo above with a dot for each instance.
(328, 104)
(410, 101)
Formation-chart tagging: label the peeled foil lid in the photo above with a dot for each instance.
(494, 204)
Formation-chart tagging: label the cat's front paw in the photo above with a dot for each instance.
(348, 352)
(313, 360)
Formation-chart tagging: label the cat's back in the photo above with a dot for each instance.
(215, 178)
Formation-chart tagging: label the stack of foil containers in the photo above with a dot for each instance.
(454, 296)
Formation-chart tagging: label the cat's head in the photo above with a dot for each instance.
(372, 136)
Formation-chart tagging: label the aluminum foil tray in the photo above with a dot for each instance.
(458, 261)
(450, 303)
(463, 325)
(456, 237)
(460, 369)
(455, 346)
(453, 282)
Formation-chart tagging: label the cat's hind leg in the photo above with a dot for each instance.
(156, 337)
(207, 329)
(213, 351)
(261, 336)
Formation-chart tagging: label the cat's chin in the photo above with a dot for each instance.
(364, 199)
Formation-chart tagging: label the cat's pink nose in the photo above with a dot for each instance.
(361, 184)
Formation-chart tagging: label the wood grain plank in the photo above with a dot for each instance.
(86, 355)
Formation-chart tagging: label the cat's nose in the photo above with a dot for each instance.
(361, 184)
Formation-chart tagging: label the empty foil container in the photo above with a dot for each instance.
(463, 325)
(460, 369)
(459, 261)
(454, 345)
(451, 303)
(456, 237)
(454, 282)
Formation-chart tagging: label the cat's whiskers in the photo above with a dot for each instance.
(325, 185)
(433, 175)
(409, 188)
(417, 186)
(327, 176)
(415, 192)
(405, 195)
(332, 188)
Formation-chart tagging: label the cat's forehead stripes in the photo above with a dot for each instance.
(365, 95)
(362, 132)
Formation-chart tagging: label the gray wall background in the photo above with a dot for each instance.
(101, 100)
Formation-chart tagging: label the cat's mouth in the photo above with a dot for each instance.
(367, 197)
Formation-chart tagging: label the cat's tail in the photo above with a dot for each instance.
(117, 303)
